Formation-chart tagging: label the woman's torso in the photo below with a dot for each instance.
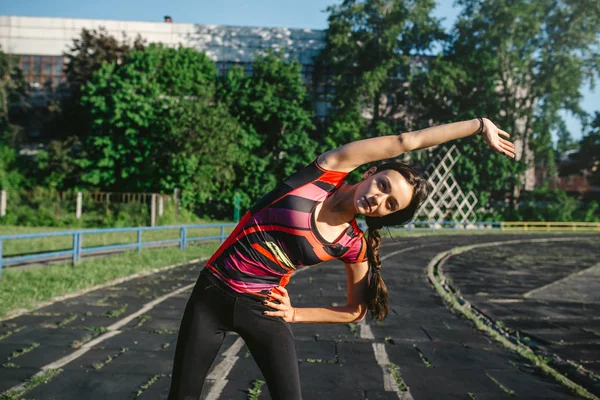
(279, 234)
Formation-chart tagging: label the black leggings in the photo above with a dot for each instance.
(211, 311)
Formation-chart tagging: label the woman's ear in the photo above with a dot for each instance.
(369, 172)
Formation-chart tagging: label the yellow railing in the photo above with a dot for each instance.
(550, 226)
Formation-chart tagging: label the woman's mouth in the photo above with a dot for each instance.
(366, 206)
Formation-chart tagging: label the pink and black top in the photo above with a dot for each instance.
(278, 235)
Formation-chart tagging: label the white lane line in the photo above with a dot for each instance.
(365, 330)
(111, 331)
(389, 382)
(528, 294)
(221, 371)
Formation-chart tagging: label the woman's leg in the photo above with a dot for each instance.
(201, 334)
(271, 343)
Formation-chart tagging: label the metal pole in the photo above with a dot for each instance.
(79, 245)
(139, 242)
(75, 239)
(222, 233)
(1, 259)
(182, 237)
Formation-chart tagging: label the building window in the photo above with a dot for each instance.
(43, 71)
(307, 73)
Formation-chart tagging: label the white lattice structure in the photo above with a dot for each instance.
(447, 201)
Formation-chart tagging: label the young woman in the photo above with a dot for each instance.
(305, 220)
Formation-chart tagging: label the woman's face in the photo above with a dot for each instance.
(382, 193)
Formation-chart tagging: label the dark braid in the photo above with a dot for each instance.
(377, 294)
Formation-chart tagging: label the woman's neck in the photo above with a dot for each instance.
(338, 209)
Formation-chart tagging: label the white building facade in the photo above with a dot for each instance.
(41, 42)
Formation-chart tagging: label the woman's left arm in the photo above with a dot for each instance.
(352, 155)
(354, 310)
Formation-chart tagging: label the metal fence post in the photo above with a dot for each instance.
(222, 233)
(75, 240)
(139, 242)
(79, 245)
(182, 242)
(0, 258)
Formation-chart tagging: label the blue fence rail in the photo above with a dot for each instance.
(77, 251)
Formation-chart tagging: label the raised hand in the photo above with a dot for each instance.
(492, 135)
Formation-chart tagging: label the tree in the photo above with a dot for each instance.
(542, 53)
(275, 114)
(374, 48)
(12, 88)
(156, 126)
(92, 49)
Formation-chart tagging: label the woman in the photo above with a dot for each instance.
(305, 220)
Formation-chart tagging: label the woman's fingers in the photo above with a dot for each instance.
(276, 296)
(282, 290)
(507, 143)
(275, 313)
(501, 132)
(507, 150)
(275, 305)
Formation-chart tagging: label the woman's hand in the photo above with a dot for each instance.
(284, 309)
(491, 133)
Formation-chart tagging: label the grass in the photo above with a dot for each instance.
(20, 352)
(37, 245)
(150, 382)
(501, 386)
(395, 371)
(255, 391)
(100, 364)
(25, 288)
(34, 381)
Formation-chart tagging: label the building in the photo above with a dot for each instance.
(41, 42)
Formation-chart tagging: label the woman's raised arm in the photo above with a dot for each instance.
(352, 155)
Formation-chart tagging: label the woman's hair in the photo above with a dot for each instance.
(377, 294)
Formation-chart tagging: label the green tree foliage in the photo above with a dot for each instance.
(156, 127)
(274, 111)
(92, 49)
(373, 50)
(12, 88)
(68, 122)
(542, 52)
(587, 159)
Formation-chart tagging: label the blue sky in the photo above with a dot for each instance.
(307, 14)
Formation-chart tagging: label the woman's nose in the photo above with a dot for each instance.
(378, 198)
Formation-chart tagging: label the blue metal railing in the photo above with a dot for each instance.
(77, 251)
